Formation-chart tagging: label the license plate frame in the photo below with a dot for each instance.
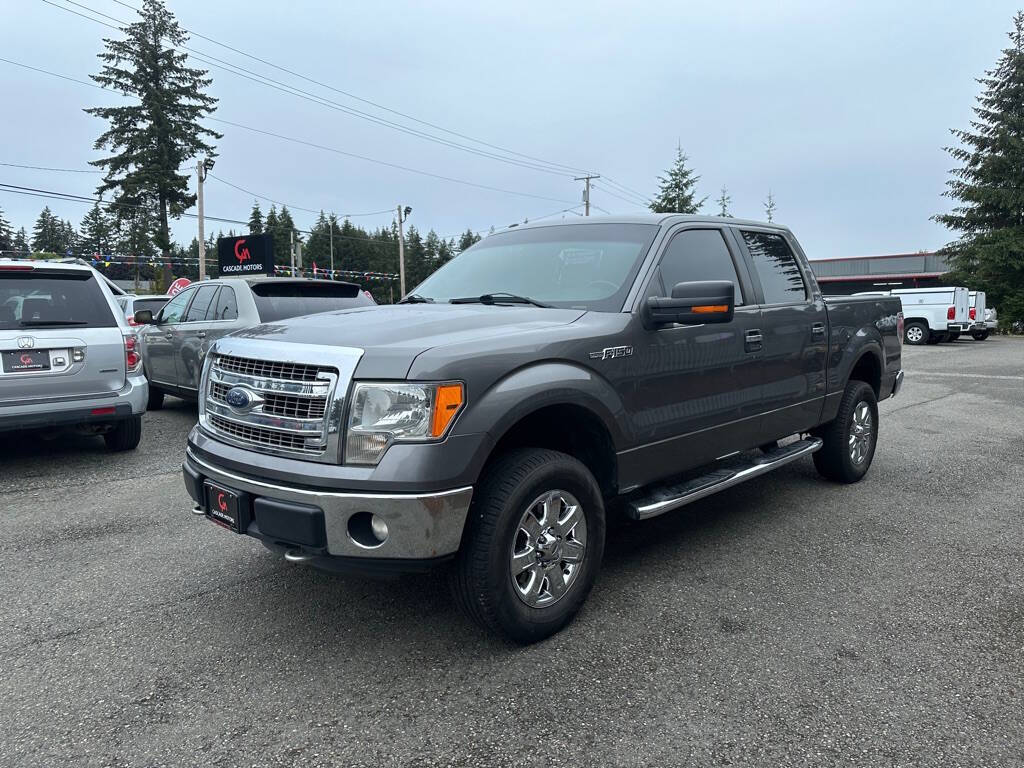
(226, 507)
(26, 361)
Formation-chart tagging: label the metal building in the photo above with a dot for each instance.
(844, 276)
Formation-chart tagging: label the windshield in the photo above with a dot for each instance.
(48, 298)
(583, 266)
(281, 299)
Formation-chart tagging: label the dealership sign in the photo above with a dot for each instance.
(247, 255)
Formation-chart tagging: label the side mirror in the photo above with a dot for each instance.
(144, 316)
(693, 303)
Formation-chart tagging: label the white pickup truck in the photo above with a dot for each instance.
(933, 315)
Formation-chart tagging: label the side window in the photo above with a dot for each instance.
(226, 307)
(776, 265)
(697, 254)
(197, 311)
(175, 308)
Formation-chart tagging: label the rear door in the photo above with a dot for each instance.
(191, 342)
(279, 299)
(161, 340)
(59, 337)
(794, 323)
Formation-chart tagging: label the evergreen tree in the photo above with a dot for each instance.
(769, 207)
(21, 241)
(96, 232)
(6, 234)
(469, 237)
(256, 219)
(989, 215)
(723, 202)
(677, 193)
(154, 138)
(318, 249)
(46, 234)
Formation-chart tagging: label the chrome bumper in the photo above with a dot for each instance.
(421, 526)
(897, 385)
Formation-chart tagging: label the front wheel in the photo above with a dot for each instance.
(915, 333)
(850, 438)
(533, 545)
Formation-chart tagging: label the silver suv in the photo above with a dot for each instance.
(67, 357)
(176, 339)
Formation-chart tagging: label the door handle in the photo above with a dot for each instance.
(753, 341)
(818, 329)
(201, 335)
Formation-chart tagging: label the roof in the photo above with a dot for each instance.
(658, 219)
(47, 264)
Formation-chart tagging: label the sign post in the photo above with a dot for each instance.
(245, 255)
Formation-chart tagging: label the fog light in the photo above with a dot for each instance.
(379, 528)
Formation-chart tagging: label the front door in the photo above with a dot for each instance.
(192, 341)
(794, 324)
(161, 338)
(698, 387)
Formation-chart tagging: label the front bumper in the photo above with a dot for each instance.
(422, 527)
(39, 413)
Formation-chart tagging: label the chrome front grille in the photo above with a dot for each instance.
(280, 407)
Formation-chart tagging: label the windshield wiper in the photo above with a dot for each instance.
(415, 298)
(39, 323)
(499, 298)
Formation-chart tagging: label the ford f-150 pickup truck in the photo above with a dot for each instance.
(547, 374)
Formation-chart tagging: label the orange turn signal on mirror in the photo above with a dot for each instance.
(709, 309)
(447, 402)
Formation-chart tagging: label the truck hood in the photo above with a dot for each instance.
(392, 336)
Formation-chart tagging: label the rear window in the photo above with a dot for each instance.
(153, 305)
(52, 299)
(278, 300)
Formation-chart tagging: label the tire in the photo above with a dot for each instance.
(980, 335)
(953, 336)
(125, 435)
(482, 579)
(915, 333)
(156, 399)
(835, 461)
(936, 338)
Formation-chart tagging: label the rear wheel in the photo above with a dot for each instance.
(915, 333)
(533, 545)
(980, 335)
(850, 438)
(937, 338)
(156, 399)
(954, 335)
(125, 435)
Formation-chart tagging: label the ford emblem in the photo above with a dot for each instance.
(239, 398)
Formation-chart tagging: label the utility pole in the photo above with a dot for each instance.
(330, 223)
(201, 172)
(586, 190)
(298, 255)
(291, 248)
(401, 248)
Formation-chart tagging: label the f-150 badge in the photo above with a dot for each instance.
(611, 352)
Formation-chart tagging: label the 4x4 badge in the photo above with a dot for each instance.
(611, 352)
(26, 342)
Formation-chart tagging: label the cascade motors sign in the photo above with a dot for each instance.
(245, 255)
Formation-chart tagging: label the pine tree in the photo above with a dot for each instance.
(469, 237)
(46, 234)
(989, 215)
(676, 193)
(318, 249)
(154, 138)
(21, 242)
(284, 235)
(6, 234)
(723, 202)
(769, 207)
(96, 232)
(256, 219)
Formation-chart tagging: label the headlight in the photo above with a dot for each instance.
(383, 413)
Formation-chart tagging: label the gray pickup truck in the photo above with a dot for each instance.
(546, 375)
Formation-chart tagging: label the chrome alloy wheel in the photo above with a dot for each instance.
(548, 548)
(861, 429)
(914, 334)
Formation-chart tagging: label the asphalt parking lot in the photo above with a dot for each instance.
(787, 621)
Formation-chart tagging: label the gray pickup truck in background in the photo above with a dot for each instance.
(546, 375)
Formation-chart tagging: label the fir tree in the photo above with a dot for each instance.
(154, 138)
(468, 238)
(96, 232)
(676, 193)
(6, 234)
(989, 213)
(21, 241)
(723, 202)
(46, 234)
(256, 219)
(769, 207)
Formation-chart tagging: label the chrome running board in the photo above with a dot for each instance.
(666, 498)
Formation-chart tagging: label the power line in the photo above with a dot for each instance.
(293, 207)
(46, 168)
(567, 168)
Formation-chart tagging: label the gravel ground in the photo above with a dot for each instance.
(785, 622)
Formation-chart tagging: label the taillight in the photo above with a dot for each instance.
(899, 326)
(974, 313)
(951, 313)
(132, 358)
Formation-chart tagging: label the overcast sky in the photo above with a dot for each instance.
(840, 109)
